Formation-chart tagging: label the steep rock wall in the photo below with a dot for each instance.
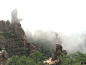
(12, 38)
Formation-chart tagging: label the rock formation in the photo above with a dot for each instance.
(31, 47)
(12, 36)
(56, 53)
(15, 20)
(14, 14)
(3, 57)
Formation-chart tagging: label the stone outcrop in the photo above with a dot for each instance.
(3, 57)
(31, 47)
(11, 42)
(56, 53)
(14, 18)
(4, 62)
(12, 36)
(20, 34)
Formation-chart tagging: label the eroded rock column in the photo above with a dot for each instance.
(14, 18)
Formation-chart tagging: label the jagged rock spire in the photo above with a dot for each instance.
(14, 17)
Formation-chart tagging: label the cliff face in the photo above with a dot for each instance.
(12, 38)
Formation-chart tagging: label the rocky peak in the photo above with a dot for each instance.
(14, 18)
(12, 36)
(56, 53)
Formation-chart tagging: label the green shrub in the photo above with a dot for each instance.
(9, 34)
(43, 48)
(21, 49)
(18, 42)
(16, 39)
(15, 50)
(9, 40)
(23, 60)
(77, 58)
(3, 48)
(81, 57)
(7, 49)
(21, 28)
(37, 56)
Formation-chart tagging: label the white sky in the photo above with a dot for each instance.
(66, 16)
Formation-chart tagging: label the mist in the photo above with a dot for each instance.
(67, 18)
(74, 42)
(71, 42)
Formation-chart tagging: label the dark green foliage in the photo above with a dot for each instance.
(15, 50)
(7, 49)
(18, 42)
(21, 49)
(3, 48)
(23, 60)
(10, 27)
(16, 39)
(43, 48)
(16, 60)
(37, 59)
(9, 40)
(81, 57)
(65, 60)
(37, 56)
(76, 59)
(21, 28)
(9, 34)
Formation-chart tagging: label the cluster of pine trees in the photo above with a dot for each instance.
(37, 58)
(76, 58)
(33, 59)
